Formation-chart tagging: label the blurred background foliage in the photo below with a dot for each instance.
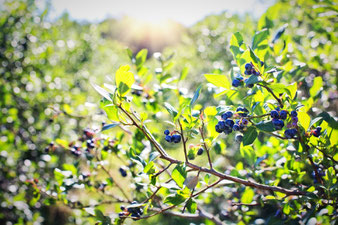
(47, 68)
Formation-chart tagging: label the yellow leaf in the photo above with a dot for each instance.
(124, 80)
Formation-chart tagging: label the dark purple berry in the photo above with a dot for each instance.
(176, 138)
(247, 72)
(229, 123)
(236, 83)
(283, 114)
(166, 132)
(200, 151)
(235, 127)
(123, 172)
(168, 138)
(248, 66)
(224, 116)
(229, 114)
(274, 114)
(294, 113)
(239, 138)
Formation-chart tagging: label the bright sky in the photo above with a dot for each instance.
(186, 12)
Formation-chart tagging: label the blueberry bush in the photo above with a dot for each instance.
(251, 141)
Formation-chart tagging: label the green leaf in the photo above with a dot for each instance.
(197, 93)
(184, 73)
(279, 33)
(248, 195)
(235, 45)
(109, 126)
(191, 206)
(174, 199)
(70, 167)
(265, 126)
(150, 168)
(179, 174)
(141, 57)
(58, 176)
(249, 136)
(218, 80)
(255, 59)
(102, 92)
(173, 112)
(304, 119)
(153, 156)
(130, 53)
(124, 80)
(260, 38)
(252, 80)
(329, 119)
(315, 120)
(316, 87)
(292, 89)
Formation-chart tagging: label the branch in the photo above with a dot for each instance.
(183, 141)
(205, 145)
(273, 94)
(253, 184)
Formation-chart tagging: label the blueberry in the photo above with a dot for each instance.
(239, 109)
(274, 114)
(236, 83)
(218, 129)
(121, 214)
(224, 116)
(123, 172)
(177, 138)
(318, 129)
(228, 130)
(278, 124)
(290, 133)
(245, 122)
(294, 113)
(245, 110)
(229, 114)
(283, 114)
(262, 63)
(222, 125)
(47, 149)
(256, 73)
(249, 85)
(247, 72)
(122, 207)
(166, 132)
(235, 127)
(278, 109)
(168, 138)
(316, 133)
(295, 119)
(239, 138)
(229, 123)
(248, 66)
(200, 151)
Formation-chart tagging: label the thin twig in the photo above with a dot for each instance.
(273, 94)
(184, 142)
(205, 145)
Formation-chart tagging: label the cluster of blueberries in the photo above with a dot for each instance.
(249, 70)
(176, 138)
(227, 125)
(278, 116)
(134, 210)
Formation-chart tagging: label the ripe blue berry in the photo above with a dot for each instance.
(283, 114)
(236, 83)
(229, 114)
(218, 129)
(227, 130)
(166, 132)
(224, 116)
(200, 151)
(294, 113)
(318, 129)
(274, 114)
(316, 133)
(176, 138)
(278, 124)
(248, 66)
(256, 73)
(168, 138)
(247, 72)
(290, 133)
(239, 138)
(123, 172)
(222, 125)
(229, 123)
(235, 127)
